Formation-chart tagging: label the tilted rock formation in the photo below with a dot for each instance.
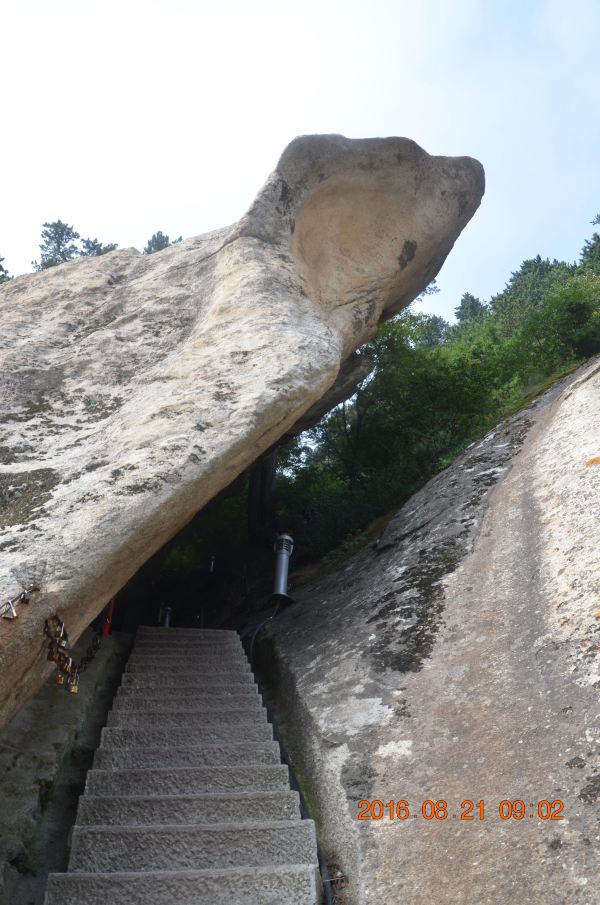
(456, 658)
(134, 388)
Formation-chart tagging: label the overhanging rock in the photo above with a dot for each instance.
(134, 388)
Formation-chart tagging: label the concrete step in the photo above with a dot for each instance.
(208, 653)
(287, 885)
(242, 693)
(159, 737)
(180, 719)
(188, 666)
(108, 849)
(201, 756)
(188, 780)
(155, 704)
(203, 664)
(211, 663)
(228, 642)
(200, 650)
(211, 634)
(147, 810)
(187, 801)
(172, 679)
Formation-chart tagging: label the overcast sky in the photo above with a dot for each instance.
(124, 117)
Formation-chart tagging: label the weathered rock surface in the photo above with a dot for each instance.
(45, 752)
(457, 659)
(133, 388)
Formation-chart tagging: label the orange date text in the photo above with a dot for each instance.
(440, 809)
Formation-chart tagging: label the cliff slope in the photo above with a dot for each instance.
(457, 659)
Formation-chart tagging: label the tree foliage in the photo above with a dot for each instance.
(58, 245)
(435, 388)
(92, 248)
(470, 310)
(61, 243)
(158, 241)
(526, 290)
(4, 274)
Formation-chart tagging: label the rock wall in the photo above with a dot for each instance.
(133, 388)
(45, 753)
(455, 659)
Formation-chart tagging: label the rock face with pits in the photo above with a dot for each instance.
(454, 664)
(134, 388)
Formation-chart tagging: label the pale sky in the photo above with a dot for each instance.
(123, 117)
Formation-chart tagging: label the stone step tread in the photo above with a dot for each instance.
(134, 737)
(189, 654)
(200, 647)
(173, 632)
(190, 717)
(188, 668)
(286, 885)
(201, 755)
(173, 680)
(164, 644)
(146, 810)
(226, 647)
(224, 845)
(182, 780)
(170, 638)
(190, 664)
(218, 666)
(233, 692)
(209, 655)
(187, 704)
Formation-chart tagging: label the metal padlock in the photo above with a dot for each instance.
(60, 679)
(73, 684)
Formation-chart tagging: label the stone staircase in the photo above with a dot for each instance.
(187, 802)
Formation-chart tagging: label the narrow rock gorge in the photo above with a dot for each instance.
(437, 691)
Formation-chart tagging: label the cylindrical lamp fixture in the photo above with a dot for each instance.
(283, 550)
(164, 616)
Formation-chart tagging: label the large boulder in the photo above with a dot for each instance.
(456, 659)
(134, 388)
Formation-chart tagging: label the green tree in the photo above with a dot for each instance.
(4, 274)
(158, 241)
(526, 291)
(58, 245)
(426, 330)
(470, 310)
(567, 327)
(92, 248)
(430, 289)
(590, 253)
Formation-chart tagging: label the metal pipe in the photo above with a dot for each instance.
(164, 616)
(283, 550)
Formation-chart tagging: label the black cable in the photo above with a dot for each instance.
(261, 625)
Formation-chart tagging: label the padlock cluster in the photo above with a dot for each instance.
(8, 609)
(59, 652)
